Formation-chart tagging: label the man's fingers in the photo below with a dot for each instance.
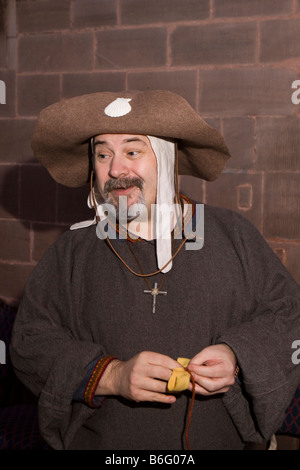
(162, 360)
(217, 370)
(212, 384)
(158, 372)
(154, 390)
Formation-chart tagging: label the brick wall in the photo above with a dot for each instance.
(234, 61)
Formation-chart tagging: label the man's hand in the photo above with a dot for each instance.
(213, 369)
(144, 377)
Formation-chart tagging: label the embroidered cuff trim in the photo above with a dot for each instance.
(89, 394)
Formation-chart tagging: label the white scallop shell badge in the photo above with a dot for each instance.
(118, 107)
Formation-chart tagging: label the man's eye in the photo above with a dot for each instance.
(133, 153)
(102, 156)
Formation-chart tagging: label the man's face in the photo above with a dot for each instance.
(125, 165)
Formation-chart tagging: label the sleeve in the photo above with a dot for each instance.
(263, 342)
(51, 350)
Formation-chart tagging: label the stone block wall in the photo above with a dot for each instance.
(234, 61)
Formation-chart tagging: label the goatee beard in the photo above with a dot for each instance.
(125, 183)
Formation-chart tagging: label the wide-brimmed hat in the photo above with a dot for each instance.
(63, 131)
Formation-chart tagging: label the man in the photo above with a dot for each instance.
(118, 299)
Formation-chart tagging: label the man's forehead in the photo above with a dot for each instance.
(103, 139)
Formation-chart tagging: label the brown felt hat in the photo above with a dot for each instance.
(61, 136)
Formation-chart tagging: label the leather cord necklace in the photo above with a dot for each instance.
(117, 254)
(149, 274)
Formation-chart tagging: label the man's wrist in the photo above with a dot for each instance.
(107, 381)
(92, 388)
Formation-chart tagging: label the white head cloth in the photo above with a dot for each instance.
(165, 155)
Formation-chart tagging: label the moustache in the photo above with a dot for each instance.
(122, 183)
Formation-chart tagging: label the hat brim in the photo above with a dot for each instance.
(63, 131)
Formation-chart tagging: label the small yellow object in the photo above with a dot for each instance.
(180, 378)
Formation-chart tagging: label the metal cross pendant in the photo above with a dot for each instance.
(154, 292)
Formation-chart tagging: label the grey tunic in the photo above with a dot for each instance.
(81, 302)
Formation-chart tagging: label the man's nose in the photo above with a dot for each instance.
(118, 167)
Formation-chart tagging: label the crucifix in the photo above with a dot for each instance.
(154, 292)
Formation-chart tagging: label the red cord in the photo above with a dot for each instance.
(190, 410)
